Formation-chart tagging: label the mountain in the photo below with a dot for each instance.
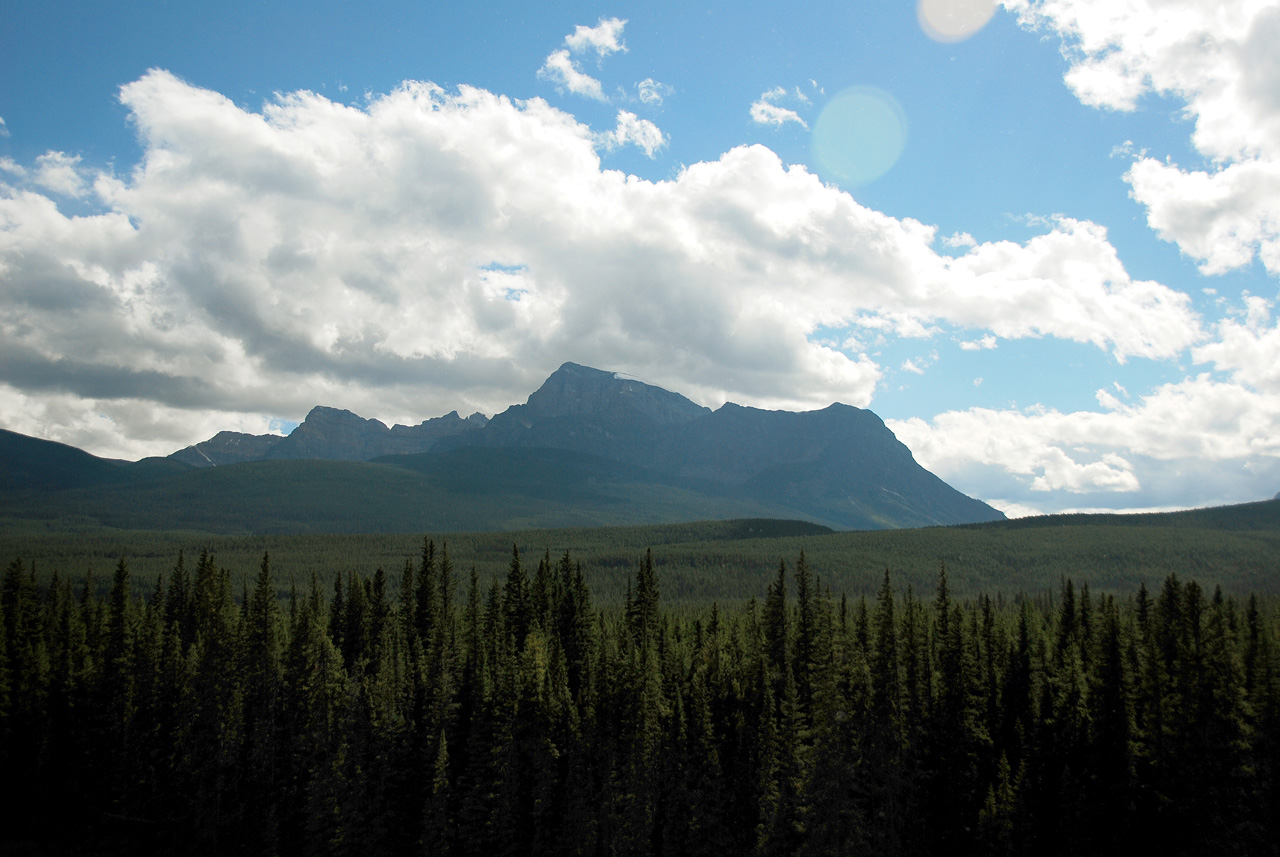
(840, 465)
(328, 434)
(588, 448)
(30, 464)
(227, 447)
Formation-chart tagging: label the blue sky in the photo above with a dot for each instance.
(1041, 240)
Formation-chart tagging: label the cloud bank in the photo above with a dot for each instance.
(449, 249)
(1220, 58)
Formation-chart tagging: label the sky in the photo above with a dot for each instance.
(1041, 239)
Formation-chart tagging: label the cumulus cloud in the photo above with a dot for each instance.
(436, 249)
(60, 173)
(1248, 348)
(1220, 58)
(561, 70)
(985, 343)
(1222, 218)
(604, 38)
(1197, 435)
(766, 111)
(649, 91)
(630, 129)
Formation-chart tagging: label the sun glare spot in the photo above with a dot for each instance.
(860, 134)
(953, 20)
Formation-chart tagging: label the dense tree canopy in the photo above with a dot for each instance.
(430, 714)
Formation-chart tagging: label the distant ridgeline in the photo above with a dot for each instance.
(589, 448)
(426, 714)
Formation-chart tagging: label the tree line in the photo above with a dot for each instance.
(434, 715)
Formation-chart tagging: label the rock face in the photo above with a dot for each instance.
(228, 447)
(329, 434)
(840, 465)
(588, 410)
(334, 435)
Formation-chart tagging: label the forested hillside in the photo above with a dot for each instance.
(422, 712)
(1236, 547)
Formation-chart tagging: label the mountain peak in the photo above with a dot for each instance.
(574, 389)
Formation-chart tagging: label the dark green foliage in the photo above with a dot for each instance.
(731, 561)
(522, 719)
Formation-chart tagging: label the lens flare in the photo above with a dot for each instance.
(953, 20)
(860, 134)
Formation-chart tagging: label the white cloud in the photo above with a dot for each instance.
(12, 167)
(912, 366)
(1222, 218)
(60, 173)
(630, 129)
(1220, 58)
(1249, 349)
(1067, 283)
(560, 70)
(1173, 443)
(985, 343)
(604, 38)
(649, 91)
(766, 111)
(434, 250)
(4, 129)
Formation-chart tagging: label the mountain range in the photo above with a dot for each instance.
(589, 447)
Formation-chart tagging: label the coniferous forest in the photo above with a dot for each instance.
(424, 713)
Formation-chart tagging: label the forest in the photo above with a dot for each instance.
(430, 712)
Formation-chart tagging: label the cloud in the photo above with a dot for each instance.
(1067, 283)
(604, 38)
(1222, 218)
(630, 129)
(649, 91)
(765, 110)
(564, 73)
(1249, 349)
(4, 129)
(1186, 443)
(1220, 59)
(985, 343)
(912, 366)
(59, 172)
(432, 250)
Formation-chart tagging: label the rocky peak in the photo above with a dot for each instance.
(574, 390)
(334, 434)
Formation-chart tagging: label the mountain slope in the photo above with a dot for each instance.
(328, 434)
(840, 465)
(588, 448)
(30, 464)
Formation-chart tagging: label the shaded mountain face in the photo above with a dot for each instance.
(587, 410)
(329, 434)
(29, 464)
(839, 466)
(227, 447)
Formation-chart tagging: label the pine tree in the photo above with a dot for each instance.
(262, 691)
